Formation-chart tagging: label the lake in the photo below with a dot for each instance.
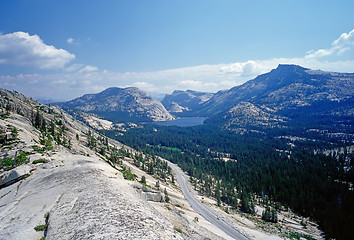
(183, 122)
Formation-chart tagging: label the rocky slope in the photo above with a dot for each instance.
(61, 180)
(51, 179)
(246, 113)
(184, 101)
(121, 104)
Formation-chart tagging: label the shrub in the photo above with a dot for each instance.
(41, 160)
(7, 162)
(128, 175)
(21, 158)
(38, 149)
(41, 227)
(178, 229)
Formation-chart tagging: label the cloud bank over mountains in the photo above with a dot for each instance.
(73, 80)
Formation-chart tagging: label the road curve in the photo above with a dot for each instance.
(202, 209)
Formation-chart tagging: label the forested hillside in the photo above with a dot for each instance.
(261, 168)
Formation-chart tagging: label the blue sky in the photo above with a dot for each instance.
(63, 49)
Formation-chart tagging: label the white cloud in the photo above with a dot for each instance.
(243, 69)
(191, 83)
(60, 81)
(74, 67)
(345, 39)
(20, 48)
(88, 69)
(339, 46)
(149, 87)
(70, 40)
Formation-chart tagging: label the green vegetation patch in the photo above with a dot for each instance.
(38, 149)
(173, 149)
(178, 229)
(128, 175)
(146, 185)
(41, 227)
(7, 162)
(20, 159)
(41, 160)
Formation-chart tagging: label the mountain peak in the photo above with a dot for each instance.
(290, 67)
(123, 104)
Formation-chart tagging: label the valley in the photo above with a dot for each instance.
(171, 120)
(269, 159)
(276, 130)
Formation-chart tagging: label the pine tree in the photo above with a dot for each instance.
(217, 194)
(167, 199)
(43, 125)
(143, 179)
(151, 169)
(245, 205)
(270, 215)
(37, 120)
(274, 217)
(267, 215)
(52, 128)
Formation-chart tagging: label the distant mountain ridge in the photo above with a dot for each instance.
(284, 87)
(287, 93)
(286, 96)
(121, 104)
(185, 101)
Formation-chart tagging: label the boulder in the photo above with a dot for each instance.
(14, 175)
(149, 194)
(154, 197)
